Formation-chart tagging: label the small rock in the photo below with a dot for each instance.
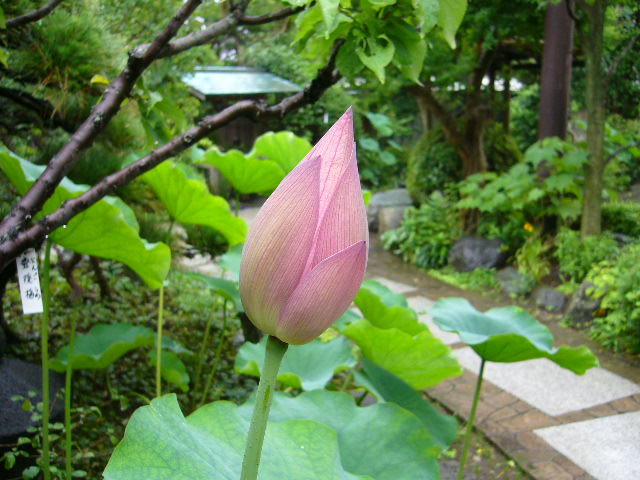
(18, 378)
(513, 282)
(582, 306)
(397, 197)
(470, 253)
(550, 299)
(390, 218)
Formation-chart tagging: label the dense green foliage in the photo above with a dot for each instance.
(621, 217)
(576, 256)
(427, 233)
(617, 285)
(432, 164)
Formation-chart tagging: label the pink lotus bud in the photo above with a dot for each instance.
(306, 252)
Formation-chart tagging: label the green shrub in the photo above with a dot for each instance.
(576, 256)
(532, 258)
(427, 234)
(622, 217)
(524, 195)
(501, 149)
(479, 280)
(617, 284)
(432, 164)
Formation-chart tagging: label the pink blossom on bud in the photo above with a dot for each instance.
(306, 252)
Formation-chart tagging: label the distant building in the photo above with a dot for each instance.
(223, 86)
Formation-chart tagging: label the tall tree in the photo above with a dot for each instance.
(555, 84)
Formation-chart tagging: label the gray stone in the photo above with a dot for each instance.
(513, 282)
(607, 448)
(581, 306)
(548, 387)
(397, 197)
(390, 218)
(18, 378)
(550, 299)
(470, 253)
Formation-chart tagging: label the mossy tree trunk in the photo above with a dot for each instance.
(593, 40)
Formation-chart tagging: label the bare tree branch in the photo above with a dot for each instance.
(269, 17)
(326, 77)
(235, 18)
(33, 16)
(621, 149)
(85, 135)
(616, 61)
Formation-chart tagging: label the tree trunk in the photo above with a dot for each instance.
(596, 114)
(556, 72)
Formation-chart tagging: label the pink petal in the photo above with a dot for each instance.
(336, 149)
(323, 295)
(344, 220)
(279, 244)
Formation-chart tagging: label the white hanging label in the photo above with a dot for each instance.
(30, 292)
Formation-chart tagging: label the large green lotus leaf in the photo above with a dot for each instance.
(388, 296)
(188, 201)
(103, 345)
(382, 441)
(172, 369)
(227, 289)
(346, 319)
(421, 360)
(284, 148)
(246, 174)
(308, 366)
(374, 309)
(107, 229)
(388, 387)
(161, 444)
(507, 334)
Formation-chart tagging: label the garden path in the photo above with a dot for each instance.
(556, 425)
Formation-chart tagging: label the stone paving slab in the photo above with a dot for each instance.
(422, 304)
(397, 287)
(550, 388)
(607, 447)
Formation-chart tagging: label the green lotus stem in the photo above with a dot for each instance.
(273, 357)
(472, 416)
(67, 396)
(200, 358)
(216, 360)
(159, 343)
(44, 352)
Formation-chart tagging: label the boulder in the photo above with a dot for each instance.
(397, 198)
(550, 299)
(513, 282)
(472, 252)
(582, 306)
(390, 218)
(18, 378)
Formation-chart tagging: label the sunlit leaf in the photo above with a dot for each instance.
(421, 360)
(450, 17)
(189, 201)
